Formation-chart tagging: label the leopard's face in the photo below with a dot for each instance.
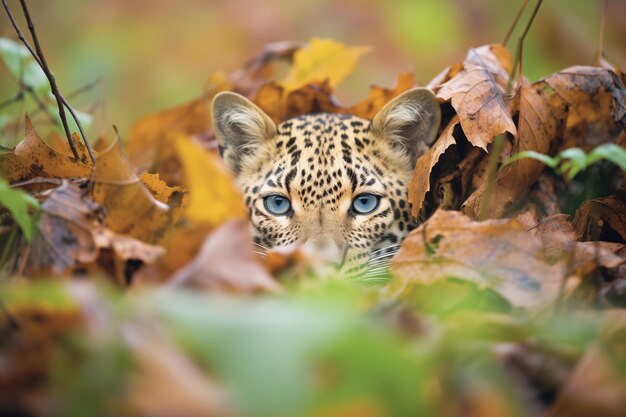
(332, 181)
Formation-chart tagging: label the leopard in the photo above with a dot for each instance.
(332, 182)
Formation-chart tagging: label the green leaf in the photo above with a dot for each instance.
(610, 152)
(22, 65)
(547, 160)
(23, 207)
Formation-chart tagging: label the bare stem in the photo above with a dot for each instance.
(39, 57)
(515, 21)
(517, 63)
(600, 54)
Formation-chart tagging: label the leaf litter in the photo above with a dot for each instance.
(473, 304)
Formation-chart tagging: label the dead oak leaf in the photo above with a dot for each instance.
(497, 254)
(477, 93)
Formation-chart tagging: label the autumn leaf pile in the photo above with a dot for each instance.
(139, 293)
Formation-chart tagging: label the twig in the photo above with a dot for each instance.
(40, 104)
(600, 55)
(517, 63)
(17, 97)
(85, 88)
(39, 57)
(514, 24)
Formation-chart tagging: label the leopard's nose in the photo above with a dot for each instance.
(326, 251)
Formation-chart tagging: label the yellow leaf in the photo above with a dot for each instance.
(213, 195)
(320, 60)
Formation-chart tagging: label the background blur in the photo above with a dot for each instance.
(154, 54)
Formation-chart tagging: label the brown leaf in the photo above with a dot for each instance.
(167, 383)
(65, 237)
(32, 158)
(151, 140)
(597, 100)
(602, 218)
(477, 93)
(130, 207)
(420, 182)
(498, 254)
(593, 389)
(225, 263)
(542, 115)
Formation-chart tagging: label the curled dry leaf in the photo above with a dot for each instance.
(478, 95)
(597, 105)
(32, 158)
(420, 182)
(541, 114)
(65, 237)
(225, 263)
(497, 254)
(602, 219)
(130, 208)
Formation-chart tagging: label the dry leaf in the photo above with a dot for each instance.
(477, 94)
(420, 182)
(65, 238)
(214, 197)
(497, 254)
(602, 218)
(596, 100)
(32, 158)
(130, 207)
(541, 114)
(225, 263)
(321, 60)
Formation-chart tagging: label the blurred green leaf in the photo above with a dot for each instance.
(22, 65)
(23, 207)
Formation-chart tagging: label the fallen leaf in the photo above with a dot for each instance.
(321, 60)
(420, 182)
(496, 254)
(65, 240)
(602, 218)
(130, 207)
(597, 105)
(214, 198)
(478, 95)
(167, 383)
(225, 263)
(151, 141)
(32, 158)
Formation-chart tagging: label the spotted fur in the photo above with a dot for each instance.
(320, 162)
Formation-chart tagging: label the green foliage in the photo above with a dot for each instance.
(572, 161)
(23, 207)
(23, 66)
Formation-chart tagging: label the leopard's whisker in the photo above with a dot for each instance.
(377, 251)
(262, 254)
(386, 255)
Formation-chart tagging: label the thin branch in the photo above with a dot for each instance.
(39, 57)
(600, 55)
(517, 63)
(17, 97)
(515, 21)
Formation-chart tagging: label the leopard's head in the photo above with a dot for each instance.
(331, 181)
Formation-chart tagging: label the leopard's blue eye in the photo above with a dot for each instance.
(365, 203)
(277, 205)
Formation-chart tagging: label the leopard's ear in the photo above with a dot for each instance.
(240, 128)
(410, 122)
